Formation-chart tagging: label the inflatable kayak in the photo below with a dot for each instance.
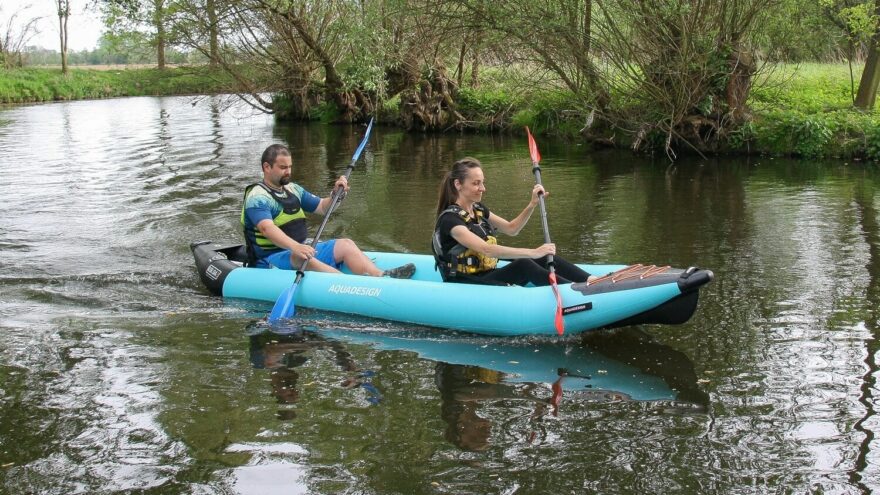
(626, 295)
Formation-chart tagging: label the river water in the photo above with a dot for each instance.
(121, 374)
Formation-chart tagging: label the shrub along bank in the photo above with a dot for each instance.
(800, 110)
(804, 110)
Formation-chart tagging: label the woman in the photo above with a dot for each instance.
(464, 237)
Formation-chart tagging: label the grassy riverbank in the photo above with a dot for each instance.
(29, 85)
(807, 111)
(800, 110)
(797, 110)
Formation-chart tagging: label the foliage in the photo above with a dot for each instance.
(487, 109)
(551, 113)
(799, 31)
(872, 142)
(855, 17)
(14, 37)
(840, 133)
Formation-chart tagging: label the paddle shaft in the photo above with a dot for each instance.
(536, 169)
(335, 199)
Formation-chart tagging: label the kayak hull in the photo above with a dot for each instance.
(668, 298)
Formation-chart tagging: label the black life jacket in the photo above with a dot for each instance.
(459, 259)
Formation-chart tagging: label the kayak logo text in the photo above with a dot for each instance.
(213, 272)
(354, 290)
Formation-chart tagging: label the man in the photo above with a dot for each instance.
(275, 227)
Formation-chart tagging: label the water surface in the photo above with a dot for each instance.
(120, 373)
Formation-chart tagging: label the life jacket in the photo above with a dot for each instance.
(291, 220)
(460, 259)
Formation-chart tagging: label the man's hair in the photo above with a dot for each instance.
(272, 153)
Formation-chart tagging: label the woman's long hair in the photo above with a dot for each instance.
(448, 194)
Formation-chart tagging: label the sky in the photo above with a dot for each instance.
(83, 28)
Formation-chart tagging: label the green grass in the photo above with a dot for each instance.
(48, 84)
(808, 88)
(806, 110)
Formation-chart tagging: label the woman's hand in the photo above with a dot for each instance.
(544, 250)
(536, 191)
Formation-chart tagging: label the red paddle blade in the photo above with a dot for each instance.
(533, 147)
(560, 324)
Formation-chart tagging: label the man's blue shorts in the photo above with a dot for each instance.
(323, 253)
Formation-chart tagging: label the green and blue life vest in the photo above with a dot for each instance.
(291, 219)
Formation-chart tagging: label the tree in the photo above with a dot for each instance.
(685, 65)
(200, 25)
(213, 32)
(340, 56)
(866, 97)
(63, 16)
(150, 16)
(556, 35)
(858, 20)
(159, 25)
(14, 38)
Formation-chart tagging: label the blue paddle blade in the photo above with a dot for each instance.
(357, 152)
(284, 307)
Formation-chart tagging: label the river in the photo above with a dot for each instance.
(121, 374)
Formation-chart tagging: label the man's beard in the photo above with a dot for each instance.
(284, 181)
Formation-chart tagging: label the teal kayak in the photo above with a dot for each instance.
(628, 295)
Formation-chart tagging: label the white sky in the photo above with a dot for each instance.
(83, 28)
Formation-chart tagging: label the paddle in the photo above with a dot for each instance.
(284, 306)
(536, 168)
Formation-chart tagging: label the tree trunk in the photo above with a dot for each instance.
(213, 34)
(475, 71)
(459, 71)
(742, 68)
(63, 15)
(431, 105)
(866, 97)
(159, 21)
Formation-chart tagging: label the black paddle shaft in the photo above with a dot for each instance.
(537, 171)
(336, 198)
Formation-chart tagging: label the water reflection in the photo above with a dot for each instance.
(282, 354)
(867, 214)
(473, 373)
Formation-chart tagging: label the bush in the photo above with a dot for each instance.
(839, 133)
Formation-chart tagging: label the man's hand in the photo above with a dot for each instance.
(300, 253)
(341, 182)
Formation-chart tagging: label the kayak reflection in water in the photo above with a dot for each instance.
(620, 364)
(283, 354)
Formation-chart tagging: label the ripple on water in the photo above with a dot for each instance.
(131, 378)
